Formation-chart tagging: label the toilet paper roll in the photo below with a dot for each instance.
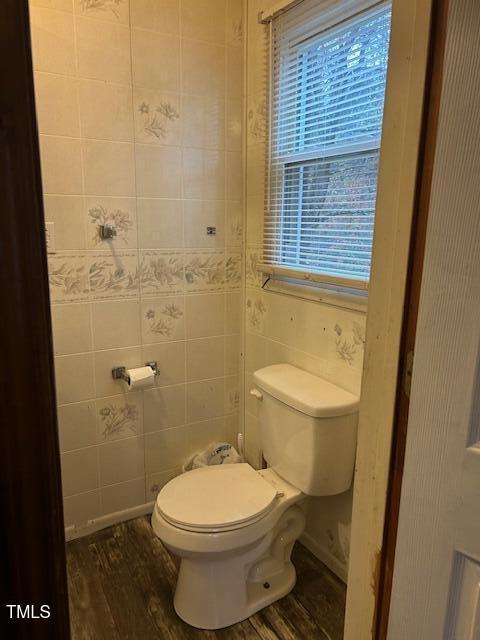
(140, 378)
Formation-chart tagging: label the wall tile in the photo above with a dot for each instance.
(79, 471)
(77, 426)
(163, 319)
(233, 347)
(103, 50)
(119, 212)
(204, 174)
(234, 224)
(119, 497)
(155, 60)
(52, 41)
(113, 274)
(158, 171)
(109, 168)
(61, 160)
(157, 15)
(155, 481)
(204, 20)
(165, 450)
(164, 408)
(72, 331)
(157, 117)
(68, 277)
(205, 315)
(115, 324)
(171, 361)
(200, 214)
(62, 5)
(232, 393)
(160, 223)
(205, 358)
(234, 121)
(235, 27)
(203, 119)
(106, 111)
(121, 461)
(202, 434)
(56, 101)
(161, 272)
(234, 173)
(203, 68)
(233, 313)
(204, 271)
(74, 378)
(204, 400)
(119, 416)
(67, 212)
(116, 11)
(104, 363)
(79, 509)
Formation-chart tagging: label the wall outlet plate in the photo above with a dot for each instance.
(50, 236)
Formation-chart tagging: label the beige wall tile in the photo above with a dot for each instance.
(202, 434)
(103, 51)
(56, 101)
(233, 313)
(79, 509)
(106, 111)
(204, 174)
(155, 481)
(121, 461)
(116, 11)
(77, 426)
(233, 347)
(164, 408)
(72, 332)
(160, 223)
(68, 215)
(234, 124)
(113, 274)
(119, 416)
(205, 358)
(157, 117)
(155, 60)
(235, 27)
(62, 5)
(200, 214)
(116, 324)
(109, 168)
(204, 399)
(79, 471)
(205, 315)
(165, 450)
(171, 362)
(157, 15)
(158, 171)
(52, 41)
(104, 363)
(203, 68)
(74, 378)
(234, 224)
(234, 171)
(68, 277)
(119, 497)
(204, 20)
(203, 119)
(163, 319)
(121, 212)
(234, 73)
(61, 160)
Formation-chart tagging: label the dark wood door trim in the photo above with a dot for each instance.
(417, 250)
(32, 534)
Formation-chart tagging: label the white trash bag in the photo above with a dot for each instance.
(215, 454)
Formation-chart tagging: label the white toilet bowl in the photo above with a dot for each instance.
(234, 529)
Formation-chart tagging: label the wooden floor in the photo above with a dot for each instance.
(122, 580)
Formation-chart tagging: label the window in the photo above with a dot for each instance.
(326, 107)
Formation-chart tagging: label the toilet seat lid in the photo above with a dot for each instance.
(216, 498)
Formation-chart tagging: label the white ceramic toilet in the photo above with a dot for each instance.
(234, 527)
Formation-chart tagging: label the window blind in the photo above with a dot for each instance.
(328, 74)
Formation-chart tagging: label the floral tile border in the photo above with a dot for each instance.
(161, 272)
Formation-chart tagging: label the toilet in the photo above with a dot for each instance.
(234, 527)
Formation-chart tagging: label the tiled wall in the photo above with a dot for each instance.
(140, 113)
(324, 339)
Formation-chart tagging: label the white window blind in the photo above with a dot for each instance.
(329, 64)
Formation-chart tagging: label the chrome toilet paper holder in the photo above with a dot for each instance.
(120, 373)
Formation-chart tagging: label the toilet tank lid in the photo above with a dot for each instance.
(305, 392)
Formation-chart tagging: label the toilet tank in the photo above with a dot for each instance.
(308, 429)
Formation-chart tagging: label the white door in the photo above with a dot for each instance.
(436, 584)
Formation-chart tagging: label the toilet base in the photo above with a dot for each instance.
(215, 593)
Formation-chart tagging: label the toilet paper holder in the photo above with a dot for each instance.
(120, 373)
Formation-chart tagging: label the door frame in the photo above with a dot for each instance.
(406, 159)
(32, 532)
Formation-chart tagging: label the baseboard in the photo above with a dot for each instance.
(325, 556)
(73, 532)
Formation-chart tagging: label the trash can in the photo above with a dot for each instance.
(215, 454)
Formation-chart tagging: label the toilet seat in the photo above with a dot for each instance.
(217, 498)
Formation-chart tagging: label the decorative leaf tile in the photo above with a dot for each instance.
(68, 277)
(256, 313)
(161, 272)
(163, 320)
(254, 278)
(118, 212)
(233, 271)
(120, 417)
(157, 117)
(349, 344)
(114, 275)
(115, 8)
(205, 271)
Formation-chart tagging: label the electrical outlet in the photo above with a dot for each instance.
(50, 236)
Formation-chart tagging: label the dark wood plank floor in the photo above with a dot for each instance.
(122, 580)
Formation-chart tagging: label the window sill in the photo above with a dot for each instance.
(352, 299)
